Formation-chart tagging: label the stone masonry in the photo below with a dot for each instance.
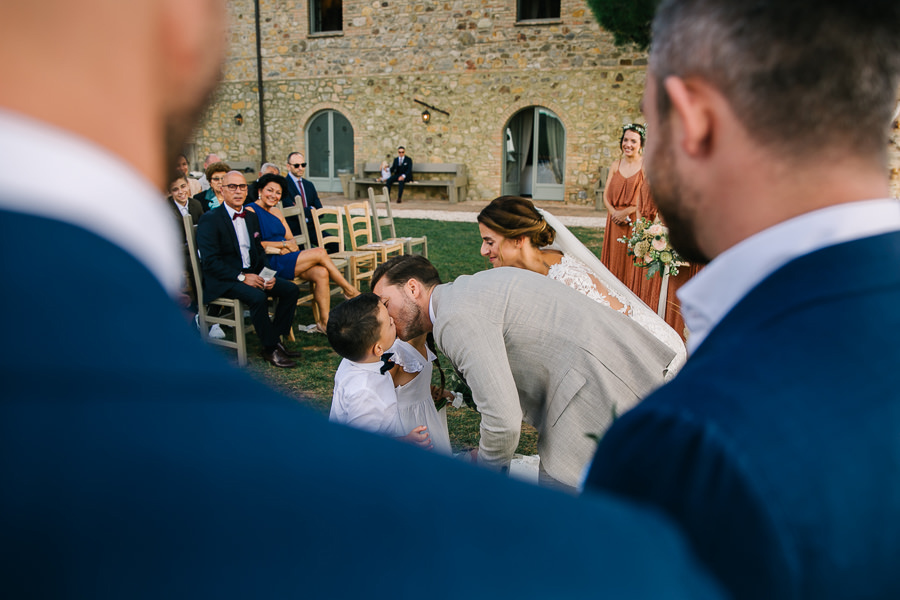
(469, 58)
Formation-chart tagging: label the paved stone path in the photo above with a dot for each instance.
(466, 212)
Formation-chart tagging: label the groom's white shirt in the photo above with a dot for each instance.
(714, 291)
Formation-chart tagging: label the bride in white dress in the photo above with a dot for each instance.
(517, 234)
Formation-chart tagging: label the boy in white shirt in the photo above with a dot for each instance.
(361, 331)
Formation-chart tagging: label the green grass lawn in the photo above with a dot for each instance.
(454, 250)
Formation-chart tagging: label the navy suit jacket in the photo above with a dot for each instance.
(404, 169)
(136, 463)
(777, 447)
(220, 253)
(312, 201)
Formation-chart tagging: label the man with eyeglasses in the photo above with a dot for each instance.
(297, 186)
(232, 258)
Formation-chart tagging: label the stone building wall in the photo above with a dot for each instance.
(469, 58)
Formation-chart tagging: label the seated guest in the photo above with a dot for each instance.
(311, 265)
(181, 166)
(361, 331)
(231, 259)
(212, 197)
(210, 159)
(182, 205)
(253, 190)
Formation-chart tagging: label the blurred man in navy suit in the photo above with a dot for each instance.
(144, 465)
(776, 447)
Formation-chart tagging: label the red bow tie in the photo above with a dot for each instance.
(238, 215)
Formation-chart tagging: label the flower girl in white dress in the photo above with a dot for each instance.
(414, 391)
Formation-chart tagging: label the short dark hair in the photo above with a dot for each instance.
(401, 148)
(798, 74)
(175, 176)
(353, 326)
(400, 269)
(268, 178)
(293, 153)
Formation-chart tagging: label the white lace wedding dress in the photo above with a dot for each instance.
(575, 270)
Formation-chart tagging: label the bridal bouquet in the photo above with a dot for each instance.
(650, 247)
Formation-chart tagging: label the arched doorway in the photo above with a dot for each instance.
(329, 149)
(534, 154)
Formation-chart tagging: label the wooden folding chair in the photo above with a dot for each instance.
(329, 224)
(359, 229)
(233, 317)
(409, 243)
(307, 288)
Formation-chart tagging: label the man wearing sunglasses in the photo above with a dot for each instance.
(298, 186)
(232, 258)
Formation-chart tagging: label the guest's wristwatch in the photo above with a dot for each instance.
(241, 277)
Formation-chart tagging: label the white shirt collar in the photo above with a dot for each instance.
(137, 220)
(375, 366)
(714, 291)
(431, 314)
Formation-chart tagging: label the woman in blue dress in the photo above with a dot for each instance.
(312, 264)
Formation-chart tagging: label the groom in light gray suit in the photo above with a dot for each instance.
(530, 349)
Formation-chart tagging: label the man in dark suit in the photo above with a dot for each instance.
(298, 186)
(146, 466)
(232, 257)
(776, 447)
(182, 204)
(401, 173)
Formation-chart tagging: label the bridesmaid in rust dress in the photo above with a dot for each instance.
(623, 187)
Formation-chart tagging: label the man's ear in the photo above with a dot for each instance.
(693, 107)
(415, 287)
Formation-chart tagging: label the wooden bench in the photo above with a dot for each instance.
(456, 186)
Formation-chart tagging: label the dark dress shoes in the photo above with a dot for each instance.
(278, 358)
(286, 352)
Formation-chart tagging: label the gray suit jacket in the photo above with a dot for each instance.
(533, 349)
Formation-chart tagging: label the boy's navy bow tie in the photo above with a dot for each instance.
(386, 363)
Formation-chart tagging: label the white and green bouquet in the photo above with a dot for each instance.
(650, 247)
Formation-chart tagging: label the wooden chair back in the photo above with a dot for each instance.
(329, 224)
(410, 244)
(359, 227)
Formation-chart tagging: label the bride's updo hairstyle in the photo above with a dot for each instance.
(514, 217)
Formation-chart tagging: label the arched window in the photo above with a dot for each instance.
(534, 153)
(329, 149)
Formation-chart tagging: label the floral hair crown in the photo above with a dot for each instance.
(637, 127)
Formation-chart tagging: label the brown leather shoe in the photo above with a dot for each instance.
(288, 353)
(277, 358)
